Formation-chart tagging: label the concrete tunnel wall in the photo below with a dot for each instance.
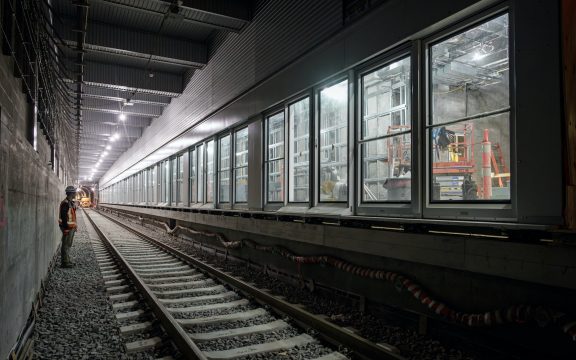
(30, 193)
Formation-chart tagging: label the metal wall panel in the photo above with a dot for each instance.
(238, 64)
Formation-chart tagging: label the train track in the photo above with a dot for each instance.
(204, 312)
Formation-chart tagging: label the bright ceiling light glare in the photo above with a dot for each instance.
(116, 136)
(108, 147)
(122, 116)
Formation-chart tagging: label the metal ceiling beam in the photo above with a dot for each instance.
(122, 99)
(91, 117)
(221, 9)
(117, 87)
(131, 77)
(118, 112)
(104, 133)
(116, 40)
(91, 91)
(225, 16)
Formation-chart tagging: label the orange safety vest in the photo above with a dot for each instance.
(70, 216)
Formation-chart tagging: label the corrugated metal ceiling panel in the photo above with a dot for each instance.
(239, 62)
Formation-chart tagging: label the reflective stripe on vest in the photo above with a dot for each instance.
(71, 217)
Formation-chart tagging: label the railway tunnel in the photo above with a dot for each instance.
(268, 179)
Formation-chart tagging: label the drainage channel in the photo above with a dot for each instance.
(206, 313)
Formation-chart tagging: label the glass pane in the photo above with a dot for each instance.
(210, 171)
(299, 117)
(166, 173)
(224, 165)
(193, 182)
(334, 143)
(470, 78)
(241, 184)
(174, 165)
(180, 178)
(470, 72)
(241, 164)
(201, 172)
(275, 180)
(386, 169)
(459, 172)
(241, 148)
(276, 158)
(154, 185)
(386, 100)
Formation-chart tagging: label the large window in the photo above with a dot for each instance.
(153, 181)
(193, 177)
(165, 181)
(210, 171)
(224, 169)
(179, 179)
(385, 133)
(299, 158)
(201, 173)
(333, 117)
(174, 178)
(275, 157)
(469, 122)
(241, 166)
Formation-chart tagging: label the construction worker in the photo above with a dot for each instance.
(67, 222)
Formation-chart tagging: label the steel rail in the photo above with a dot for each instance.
(361, 346)
(178, 335)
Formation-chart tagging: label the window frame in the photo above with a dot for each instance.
(409, 208)
(173, 180)
(272, 205)
(192, 178)
(288, 148)
(201, 173)
(234, 201)
(316, 202)
(467, 210)
(212, 202)
(224, 204)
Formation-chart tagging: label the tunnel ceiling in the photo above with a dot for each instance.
(131, 57)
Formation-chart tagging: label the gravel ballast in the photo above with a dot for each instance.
(76, 320)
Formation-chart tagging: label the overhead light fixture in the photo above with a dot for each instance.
(116, 136)
(122, 116)
(108, 147)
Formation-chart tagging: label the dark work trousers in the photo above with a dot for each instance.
(66, 245)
